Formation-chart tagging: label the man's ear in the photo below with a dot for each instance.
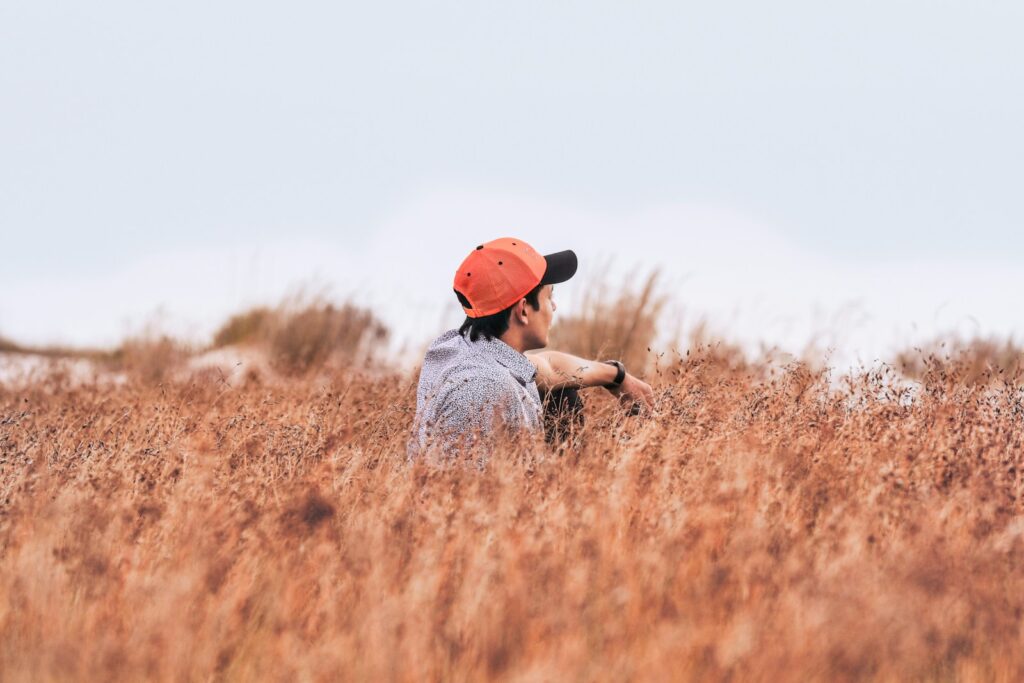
(521, 311)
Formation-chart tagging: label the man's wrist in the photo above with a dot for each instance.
(620, 374)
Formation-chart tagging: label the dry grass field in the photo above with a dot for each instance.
(769, 522)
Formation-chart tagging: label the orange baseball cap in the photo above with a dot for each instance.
(499, 273)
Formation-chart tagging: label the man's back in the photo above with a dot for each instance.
(467, 388)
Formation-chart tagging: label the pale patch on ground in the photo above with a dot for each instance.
(234, 363)
(23, 368)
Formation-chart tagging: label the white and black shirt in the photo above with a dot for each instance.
(467, 389)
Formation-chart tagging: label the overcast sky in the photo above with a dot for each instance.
(791, 166)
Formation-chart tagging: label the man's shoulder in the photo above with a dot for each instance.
(457, 372)
(459, 359)
(470, 379)
(445, 339)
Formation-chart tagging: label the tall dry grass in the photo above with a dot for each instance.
(307, 331)
(613, 322)
(975, 361)
(150, 357)
(761, 525)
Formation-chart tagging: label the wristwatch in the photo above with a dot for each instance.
(619, 376)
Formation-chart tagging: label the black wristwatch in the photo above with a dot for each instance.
(619, 376)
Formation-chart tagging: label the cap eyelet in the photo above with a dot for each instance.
(480, 247)
(501, 263)
(468, 274)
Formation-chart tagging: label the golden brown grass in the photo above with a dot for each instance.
(150, 358)
(974, 361)
(306, 332)
(762, 525)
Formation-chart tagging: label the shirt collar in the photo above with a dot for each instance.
(519, 365)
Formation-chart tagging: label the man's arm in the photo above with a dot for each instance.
(557, 370)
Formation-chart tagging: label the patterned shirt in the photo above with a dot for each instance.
(468, 388)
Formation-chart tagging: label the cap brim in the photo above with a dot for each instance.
(561, 266)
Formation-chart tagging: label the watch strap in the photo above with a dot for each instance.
(619, 376)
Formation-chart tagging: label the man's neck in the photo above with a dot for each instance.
(514, 340)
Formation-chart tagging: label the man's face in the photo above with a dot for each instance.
(539, 324)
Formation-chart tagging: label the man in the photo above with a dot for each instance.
(477, 381)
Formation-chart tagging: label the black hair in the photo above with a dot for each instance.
(495, 325)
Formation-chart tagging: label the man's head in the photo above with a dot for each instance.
(505, 288)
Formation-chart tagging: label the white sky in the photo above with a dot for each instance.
(851, 174)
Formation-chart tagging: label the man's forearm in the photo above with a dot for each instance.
(558, 370)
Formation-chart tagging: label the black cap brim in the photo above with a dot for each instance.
(561, 266)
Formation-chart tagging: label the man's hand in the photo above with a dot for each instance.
(635, 392)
